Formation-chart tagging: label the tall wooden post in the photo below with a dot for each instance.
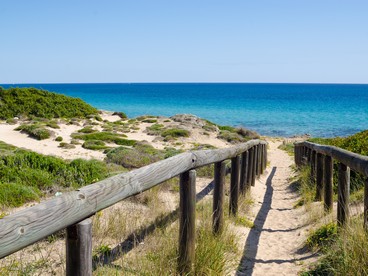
(343, 194)
(256, 168)
(244, 172)
(313, 167)
(218, 197)
(187, 222)
(250, 167)
(254, 171)
(319, 177)
(328, 192)
(259, 159)
(366, 204)
(234, 185)
(79, 248)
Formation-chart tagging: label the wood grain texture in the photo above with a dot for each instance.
(187, 222)
(35, 223)
(343, 194)
(79, 249)
(328, 182)
(218, 197)
(234, 185)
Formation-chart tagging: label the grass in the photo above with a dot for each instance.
(345, 253)
(175, 132)
(288, 147)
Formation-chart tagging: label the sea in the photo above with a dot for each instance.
(286, 110)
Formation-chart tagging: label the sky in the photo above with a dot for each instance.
(298, 41)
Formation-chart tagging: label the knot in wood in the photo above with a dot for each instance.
(81, 196)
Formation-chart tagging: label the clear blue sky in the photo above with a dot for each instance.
(323, 41)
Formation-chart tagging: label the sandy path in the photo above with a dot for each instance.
(273, 246)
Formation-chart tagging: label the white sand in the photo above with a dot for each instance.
(274, 245)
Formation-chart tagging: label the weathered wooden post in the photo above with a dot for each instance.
(256, 168)
(187, 221)
(366, 203)
(261, 158)
(218, 197)
(244, 172)
(250, 168)
(343, 194)
(319, 177)
(328, 192)
(234, 184)
(79, 248)
(296, 154)
(313, 166)
(254, 171)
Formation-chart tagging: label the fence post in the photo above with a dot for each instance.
(187, 221)
(328, 202)
(259, 159)
(218, 197)
(254, 170)
(366, 204)
(343, 194)
(262, 158)
(244, 172)
(319, 177)
(234, 185)
(250, 168)
(79, 248)
(313, 167)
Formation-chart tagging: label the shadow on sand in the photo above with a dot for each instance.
(248, 259)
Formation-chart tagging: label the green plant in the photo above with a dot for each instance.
(94, 145)
(35, 131)
(26, 102)
(323, 236)
(87, 129)
(175, 132)
(59, 139)
(66, 146)
(122, 115)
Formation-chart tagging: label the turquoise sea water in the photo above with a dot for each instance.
(322, 110)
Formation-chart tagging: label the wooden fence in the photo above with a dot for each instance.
(73, 210)
(320, 159)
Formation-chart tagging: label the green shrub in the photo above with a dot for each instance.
(175, 132)
(35, 131)
(106, 137)
(11, 121)
(94, 145)
(53, 124)
(155, 129)
(26, 102)
(151, 121)
(59, 139)
(32, 172)
(87, 129)
(122, 115)
(139, 156)
(66, 146)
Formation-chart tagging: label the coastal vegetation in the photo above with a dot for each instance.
(27, 176)
(343, 249)
(32, 102)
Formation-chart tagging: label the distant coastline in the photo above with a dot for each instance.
(277, 109)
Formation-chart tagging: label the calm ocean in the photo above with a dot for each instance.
(322, 110)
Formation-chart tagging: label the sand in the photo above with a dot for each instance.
(275, 245)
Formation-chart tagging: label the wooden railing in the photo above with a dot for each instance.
(320, 159)
(73, 210)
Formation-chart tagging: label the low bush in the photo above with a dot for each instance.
(35, 131)
(175, 132)
(94, 145)
(27, 102)
(106, 137)
(122, 115)
(59, 139)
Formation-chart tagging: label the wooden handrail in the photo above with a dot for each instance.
(320, 158)
(356, 162)
(25, 227)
